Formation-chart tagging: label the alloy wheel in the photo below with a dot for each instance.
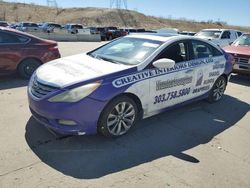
(121, 118)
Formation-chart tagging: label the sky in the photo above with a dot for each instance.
(232, 12)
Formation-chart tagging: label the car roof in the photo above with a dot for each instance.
(163, 37)
(220, 30)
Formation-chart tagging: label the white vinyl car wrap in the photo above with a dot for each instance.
(108, 89)
(194, 78)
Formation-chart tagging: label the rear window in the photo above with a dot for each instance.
(204, 50)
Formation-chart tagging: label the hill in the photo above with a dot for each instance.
(16, 12)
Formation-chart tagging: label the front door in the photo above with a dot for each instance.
(172, 86)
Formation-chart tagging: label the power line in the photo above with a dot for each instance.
(52, 3)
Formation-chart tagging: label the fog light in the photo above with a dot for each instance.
(66, 122)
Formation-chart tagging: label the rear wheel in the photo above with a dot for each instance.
(27, 67)
(118, 117)
(217, 90)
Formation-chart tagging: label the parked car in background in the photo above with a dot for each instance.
(73, 28)
(28, 26)
(101, 31)
(23, 53)
(4, 24)
(190, 33)
(13, 25)
(40, 24)
(137, 76)
(49, 27)
(109, 33)
(93, 30)
(221, 37)
(168, 31)
(240, 50)
(112, 32)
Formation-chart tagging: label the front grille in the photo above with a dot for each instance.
(40, 90)
(241, 60)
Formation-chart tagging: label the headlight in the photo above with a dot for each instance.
(76, 94)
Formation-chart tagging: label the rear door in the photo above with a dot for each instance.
(11, 48)
(208, 64)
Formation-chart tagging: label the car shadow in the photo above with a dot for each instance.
(240, 79)
(12, 81)
(168, 134)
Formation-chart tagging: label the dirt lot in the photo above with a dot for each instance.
(200, 145)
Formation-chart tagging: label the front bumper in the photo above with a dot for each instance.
(85, 113)
(242, 68)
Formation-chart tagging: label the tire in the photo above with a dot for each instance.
(27, 67)
(118, 117)
(218, 89)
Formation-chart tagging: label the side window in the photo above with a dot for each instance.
(22, 39)
(204, 50)
(7, 38)
(176, 52)
(239, 33)
(226, 35)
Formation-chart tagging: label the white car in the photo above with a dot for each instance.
(73, 28)
(108, 89)
(221, 37)
(28, 26)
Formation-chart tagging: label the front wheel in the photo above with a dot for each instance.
(217, 90)
(118, 117)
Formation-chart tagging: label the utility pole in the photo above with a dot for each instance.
(118, 4)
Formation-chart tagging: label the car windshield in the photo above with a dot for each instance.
(209, 33)
(244, 40)
(128, 50)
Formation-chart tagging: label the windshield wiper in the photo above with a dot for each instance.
(108, 59)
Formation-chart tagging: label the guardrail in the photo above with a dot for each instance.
(67, 37)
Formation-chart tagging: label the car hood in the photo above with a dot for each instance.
(241, 50)
(73, 69)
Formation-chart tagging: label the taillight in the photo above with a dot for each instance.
(52, 48)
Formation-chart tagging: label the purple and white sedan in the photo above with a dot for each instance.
(110, 88)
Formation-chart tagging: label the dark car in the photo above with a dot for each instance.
(240, 49)
(23, 53)
(4, 24)
(112, 33)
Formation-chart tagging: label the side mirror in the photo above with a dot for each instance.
(164, 63)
